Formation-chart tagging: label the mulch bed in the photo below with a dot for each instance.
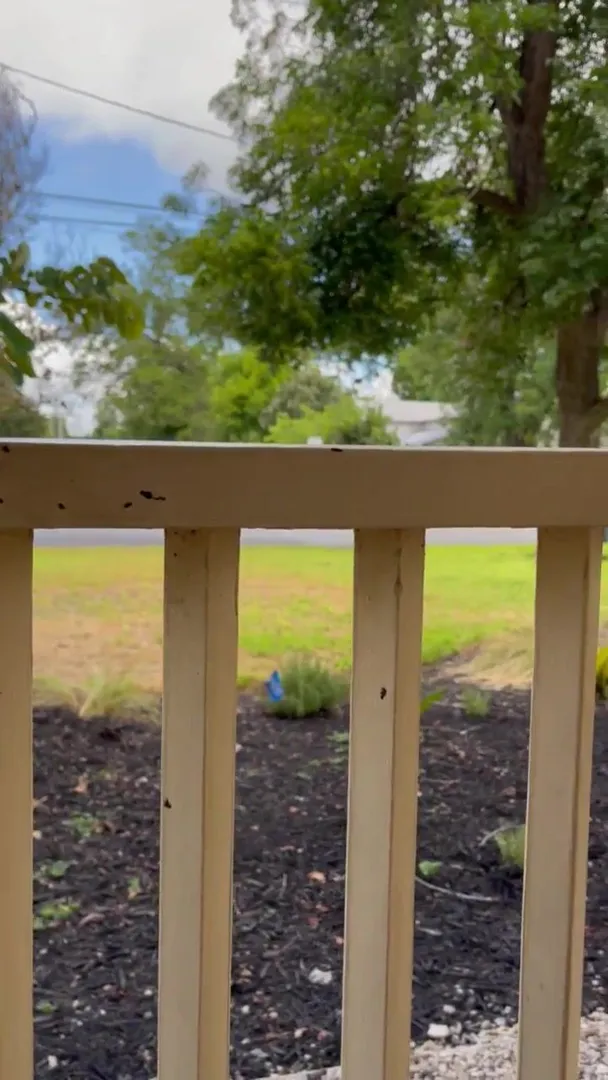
(96, 850)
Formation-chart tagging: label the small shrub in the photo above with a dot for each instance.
(309, 688)
(108, 697)
(601, 673)
(476, 702)
(101, 695)
(511, 844)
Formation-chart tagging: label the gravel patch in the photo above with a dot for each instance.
(492, 1056)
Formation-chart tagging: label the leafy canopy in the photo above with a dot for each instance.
(177, 381)
(156, 386)
(342, 423)
(503, 396)
(399, 155)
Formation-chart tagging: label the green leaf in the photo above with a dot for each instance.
(430, 699)
(17, 348)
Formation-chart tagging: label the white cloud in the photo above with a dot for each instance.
(168, 56)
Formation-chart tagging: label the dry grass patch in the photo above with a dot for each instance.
(98, 612)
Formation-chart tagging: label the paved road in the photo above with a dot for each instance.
(298, 538)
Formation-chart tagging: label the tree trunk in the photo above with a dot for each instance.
(581, 409)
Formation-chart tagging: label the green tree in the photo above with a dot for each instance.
(161, 394)
(157, 386)
(503, 398)
(242, 389)
(306, 388)
(19, 417)
(343, 423)
(399, 155)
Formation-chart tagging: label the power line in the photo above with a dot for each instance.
(67, 220)
(118, 203)
(118, 104)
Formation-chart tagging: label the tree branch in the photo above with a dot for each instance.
(536, 69)
(596, 415)
(493, 200)
(524, 117)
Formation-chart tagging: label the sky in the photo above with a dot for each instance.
(161, 56)
(166, 57)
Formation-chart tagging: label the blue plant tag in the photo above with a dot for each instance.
(274, 687)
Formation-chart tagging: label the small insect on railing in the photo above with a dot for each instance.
(202, 496)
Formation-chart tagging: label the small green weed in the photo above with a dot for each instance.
(429, 868)
(53, 871)
(309, 688)
(84, 825)
(51, 914)
(511, 844)
(46, 1008)
(476, 702)
(133, 888)
(430, 699)
(339, 739)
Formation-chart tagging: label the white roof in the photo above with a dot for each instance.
(430, 435)
(413, 412)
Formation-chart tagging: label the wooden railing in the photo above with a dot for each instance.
(202, 496)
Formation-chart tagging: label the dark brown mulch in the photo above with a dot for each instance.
(97, 855)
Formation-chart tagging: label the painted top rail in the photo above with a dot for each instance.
(73, 484)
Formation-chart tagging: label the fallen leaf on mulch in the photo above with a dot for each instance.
(317, 875)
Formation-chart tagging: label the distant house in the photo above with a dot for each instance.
(415, 423)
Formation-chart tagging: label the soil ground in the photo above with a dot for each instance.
(96, 853)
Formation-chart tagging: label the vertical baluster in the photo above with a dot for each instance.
(382, 809)
(16, 778)
(561, 746)
(199, 720)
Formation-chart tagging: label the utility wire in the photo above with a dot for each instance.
(117, 104)
(118, 203)
(67, 220)
(72, 219)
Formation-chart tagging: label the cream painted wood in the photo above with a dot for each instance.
(561, 747)
(16, 800)
(199, 730)
(155, 485)
(382, 806)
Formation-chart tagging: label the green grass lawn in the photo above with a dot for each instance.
(98, 612)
